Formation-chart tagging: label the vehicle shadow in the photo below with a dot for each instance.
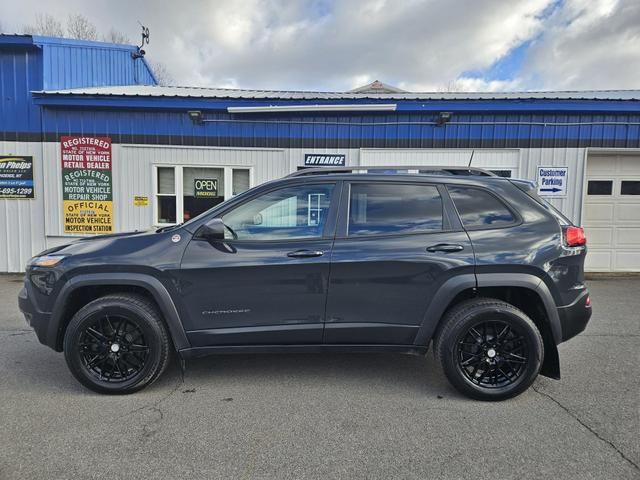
(384, 371)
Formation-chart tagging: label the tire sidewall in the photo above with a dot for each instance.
(85, 317)
(519, 322)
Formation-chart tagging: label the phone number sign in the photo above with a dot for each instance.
(87, 191)
(16, 177)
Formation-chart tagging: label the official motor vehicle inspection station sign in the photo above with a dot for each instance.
(87, 185)
(16, 177)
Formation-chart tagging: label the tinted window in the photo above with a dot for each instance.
(599, 187)
(502, 173)
(478, 208)
(630, 187)
(292, 212)
(391, 208)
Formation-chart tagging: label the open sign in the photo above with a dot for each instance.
(205, 187)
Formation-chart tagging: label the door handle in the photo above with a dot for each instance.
(445, 247)
(305, 254)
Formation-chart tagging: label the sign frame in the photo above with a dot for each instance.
(15, 177)
(552, 181)
(325, 159)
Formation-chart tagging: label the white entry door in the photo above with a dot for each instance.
(612, 213)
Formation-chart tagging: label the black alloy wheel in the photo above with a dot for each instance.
(113, 348)
(117, 344)
(489, 349)
(492, 354)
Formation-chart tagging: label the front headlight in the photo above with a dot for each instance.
(46, 260)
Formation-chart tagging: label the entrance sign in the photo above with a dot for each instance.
(16, 177)
(87, 191)
(324, 160)
(552, 181)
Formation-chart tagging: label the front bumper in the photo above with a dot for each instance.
(574, 317)
(35, 318)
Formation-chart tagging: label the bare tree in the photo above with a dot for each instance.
(81, 28)
(161, 73)
(46, 25)
(115, 36)
(450, 87)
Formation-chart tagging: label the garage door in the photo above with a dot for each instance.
(612, 213)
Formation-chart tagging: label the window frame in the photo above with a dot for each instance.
(328, 231)
(516, 216)
(611, 181)
(179, 187)
(625, 195)
(342, 230)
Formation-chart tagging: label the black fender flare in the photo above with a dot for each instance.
(455, 285)
(151, 284)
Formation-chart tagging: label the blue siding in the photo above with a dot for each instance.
(73, 66)
(35, 63)
(20, 72)
(415, 130)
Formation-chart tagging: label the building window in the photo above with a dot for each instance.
(166, 195)
(394, 208)
(599, 187)
(502, 173)
(630, 187)
(184, 192)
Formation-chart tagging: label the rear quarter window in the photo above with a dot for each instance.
(480, 209)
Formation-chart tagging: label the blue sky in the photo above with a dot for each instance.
(419, 45)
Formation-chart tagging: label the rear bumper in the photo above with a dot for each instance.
(35, 318)
(574, 317)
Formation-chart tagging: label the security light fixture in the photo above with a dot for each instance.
(444, 117)
(195, 116)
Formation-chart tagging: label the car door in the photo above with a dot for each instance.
(396, 244)
(266, 283)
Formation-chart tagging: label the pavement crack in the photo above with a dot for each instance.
(148, 429)
(585, 425)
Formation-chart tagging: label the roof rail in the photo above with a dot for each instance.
(396, 170)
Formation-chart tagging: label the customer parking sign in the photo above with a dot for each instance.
(552, 181)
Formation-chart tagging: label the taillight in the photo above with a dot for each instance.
(574, 236)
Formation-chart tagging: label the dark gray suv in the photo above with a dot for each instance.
(366, 259)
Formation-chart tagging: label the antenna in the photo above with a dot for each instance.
(471, 158)
(145, 40)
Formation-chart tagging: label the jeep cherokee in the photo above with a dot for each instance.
(336, 259)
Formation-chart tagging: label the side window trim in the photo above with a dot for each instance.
(341, 231)
(516, 216)
(328, 232)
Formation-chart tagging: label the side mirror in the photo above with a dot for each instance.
(212, 230)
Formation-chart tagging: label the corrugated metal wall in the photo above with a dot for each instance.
(22, 221)
(133, 176)
(71, 66)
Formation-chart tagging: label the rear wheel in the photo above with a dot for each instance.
(117, 344)
(489, 349)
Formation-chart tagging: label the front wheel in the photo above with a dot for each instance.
(117, 344)
(489, 349)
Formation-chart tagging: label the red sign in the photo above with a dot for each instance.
(86, 153)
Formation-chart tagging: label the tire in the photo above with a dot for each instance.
(480, 358)
(117, 344)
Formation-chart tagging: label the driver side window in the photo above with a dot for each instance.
(292, 212)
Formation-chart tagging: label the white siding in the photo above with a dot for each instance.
(22, 221)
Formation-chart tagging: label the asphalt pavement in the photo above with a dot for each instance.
(327, 415)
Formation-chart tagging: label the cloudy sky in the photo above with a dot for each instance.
(419, 45)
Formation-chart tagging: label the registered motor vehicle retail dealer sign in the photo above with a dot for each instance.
(552, 181)
(87, 185)
(16, 177)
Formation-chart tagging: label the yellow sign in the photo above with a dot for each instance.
(86, 216)
(140, 201)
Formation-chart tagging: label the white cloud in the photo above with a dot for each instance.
(340, 44)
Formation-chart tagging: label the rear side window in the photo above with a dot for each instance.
(378, 208)
(479, 209)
